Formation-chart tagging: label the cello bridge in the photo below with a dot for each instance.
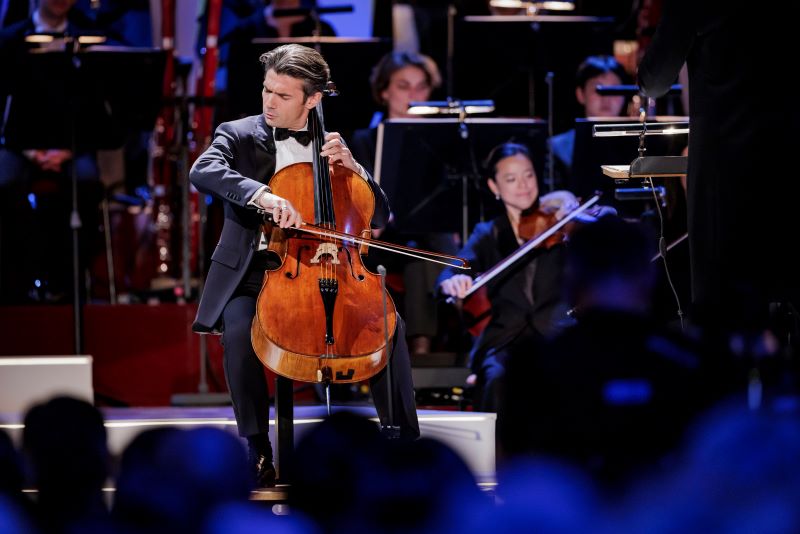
(327, 248)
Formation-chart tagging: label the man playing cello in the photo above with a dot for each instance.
(240, 161)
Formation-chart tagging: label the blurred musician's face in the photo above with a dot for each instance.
(515, 182)
(408, 84)
(283, 101)
(596, 105)
(56, 9)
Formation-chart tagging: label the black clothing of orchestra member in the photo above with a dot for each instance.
(240, 160)
(363, 144)
(742, 184)
(525, 300)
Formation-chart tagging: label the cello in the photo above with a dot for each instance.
(320, 314)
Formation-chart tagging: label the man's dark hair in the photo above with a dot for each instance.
(299, 62)
(595, 66)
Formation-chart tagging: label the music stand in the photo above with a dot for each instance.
(46, 94)
(506, 58)
(81, 100)
(591, 153)
(350, 60)
(52, 88)
(433, 176)
(134, 104)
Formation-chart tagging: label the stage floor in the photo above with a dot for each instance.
(470, 434)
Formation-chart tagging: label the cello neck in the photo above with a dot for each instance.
(323, 195)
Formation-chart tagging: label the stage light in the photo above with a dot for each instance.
(451, 107)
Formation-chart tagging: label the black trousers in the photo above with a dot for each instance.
(244, 372)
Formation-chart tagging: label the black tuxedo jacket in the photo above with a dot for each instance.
(740, 147)
(239, 161)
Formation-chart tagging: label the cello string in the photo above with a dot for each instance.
(332, 214)
(328, 201)
(324, 178)
(317, 167)
(328, 189)
(323, 183)
(319, 177)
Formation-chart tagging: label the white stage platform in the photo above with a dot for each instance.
(470, 434)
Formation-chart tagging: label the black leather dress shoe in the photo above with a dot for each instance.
(263, 470)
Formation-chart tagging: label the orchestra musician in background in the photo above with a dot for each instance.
(594, 71)
(526, 300)
(398, 79)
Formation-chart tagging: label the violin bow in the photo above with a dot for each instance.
(425, 255)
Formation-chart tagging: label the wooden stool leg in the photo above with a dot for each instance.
(284, 427)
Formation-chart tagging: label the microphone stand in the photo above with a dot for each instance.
(75, 223)
(451, 16)
(390, 430)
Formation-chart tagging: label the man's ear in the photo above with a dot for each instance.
(580, 96)
(313, 100)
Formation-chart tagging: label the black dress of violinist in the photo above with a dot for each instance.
(526, 299)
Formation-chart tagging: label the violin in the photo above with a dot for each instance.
(320, 314)
(535, 223)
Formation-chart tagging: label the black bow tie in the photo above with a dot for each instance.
(302, 136)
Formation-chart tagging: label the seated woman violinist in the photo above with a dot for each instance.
(526, 298)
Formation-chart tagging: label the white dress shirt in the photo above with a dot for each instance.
(287, 152)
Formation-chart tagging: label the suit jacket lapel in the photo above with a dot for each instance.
(264, 150)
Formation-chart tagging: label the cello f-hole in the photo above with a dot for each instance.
(359, 277)
(296, 273)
